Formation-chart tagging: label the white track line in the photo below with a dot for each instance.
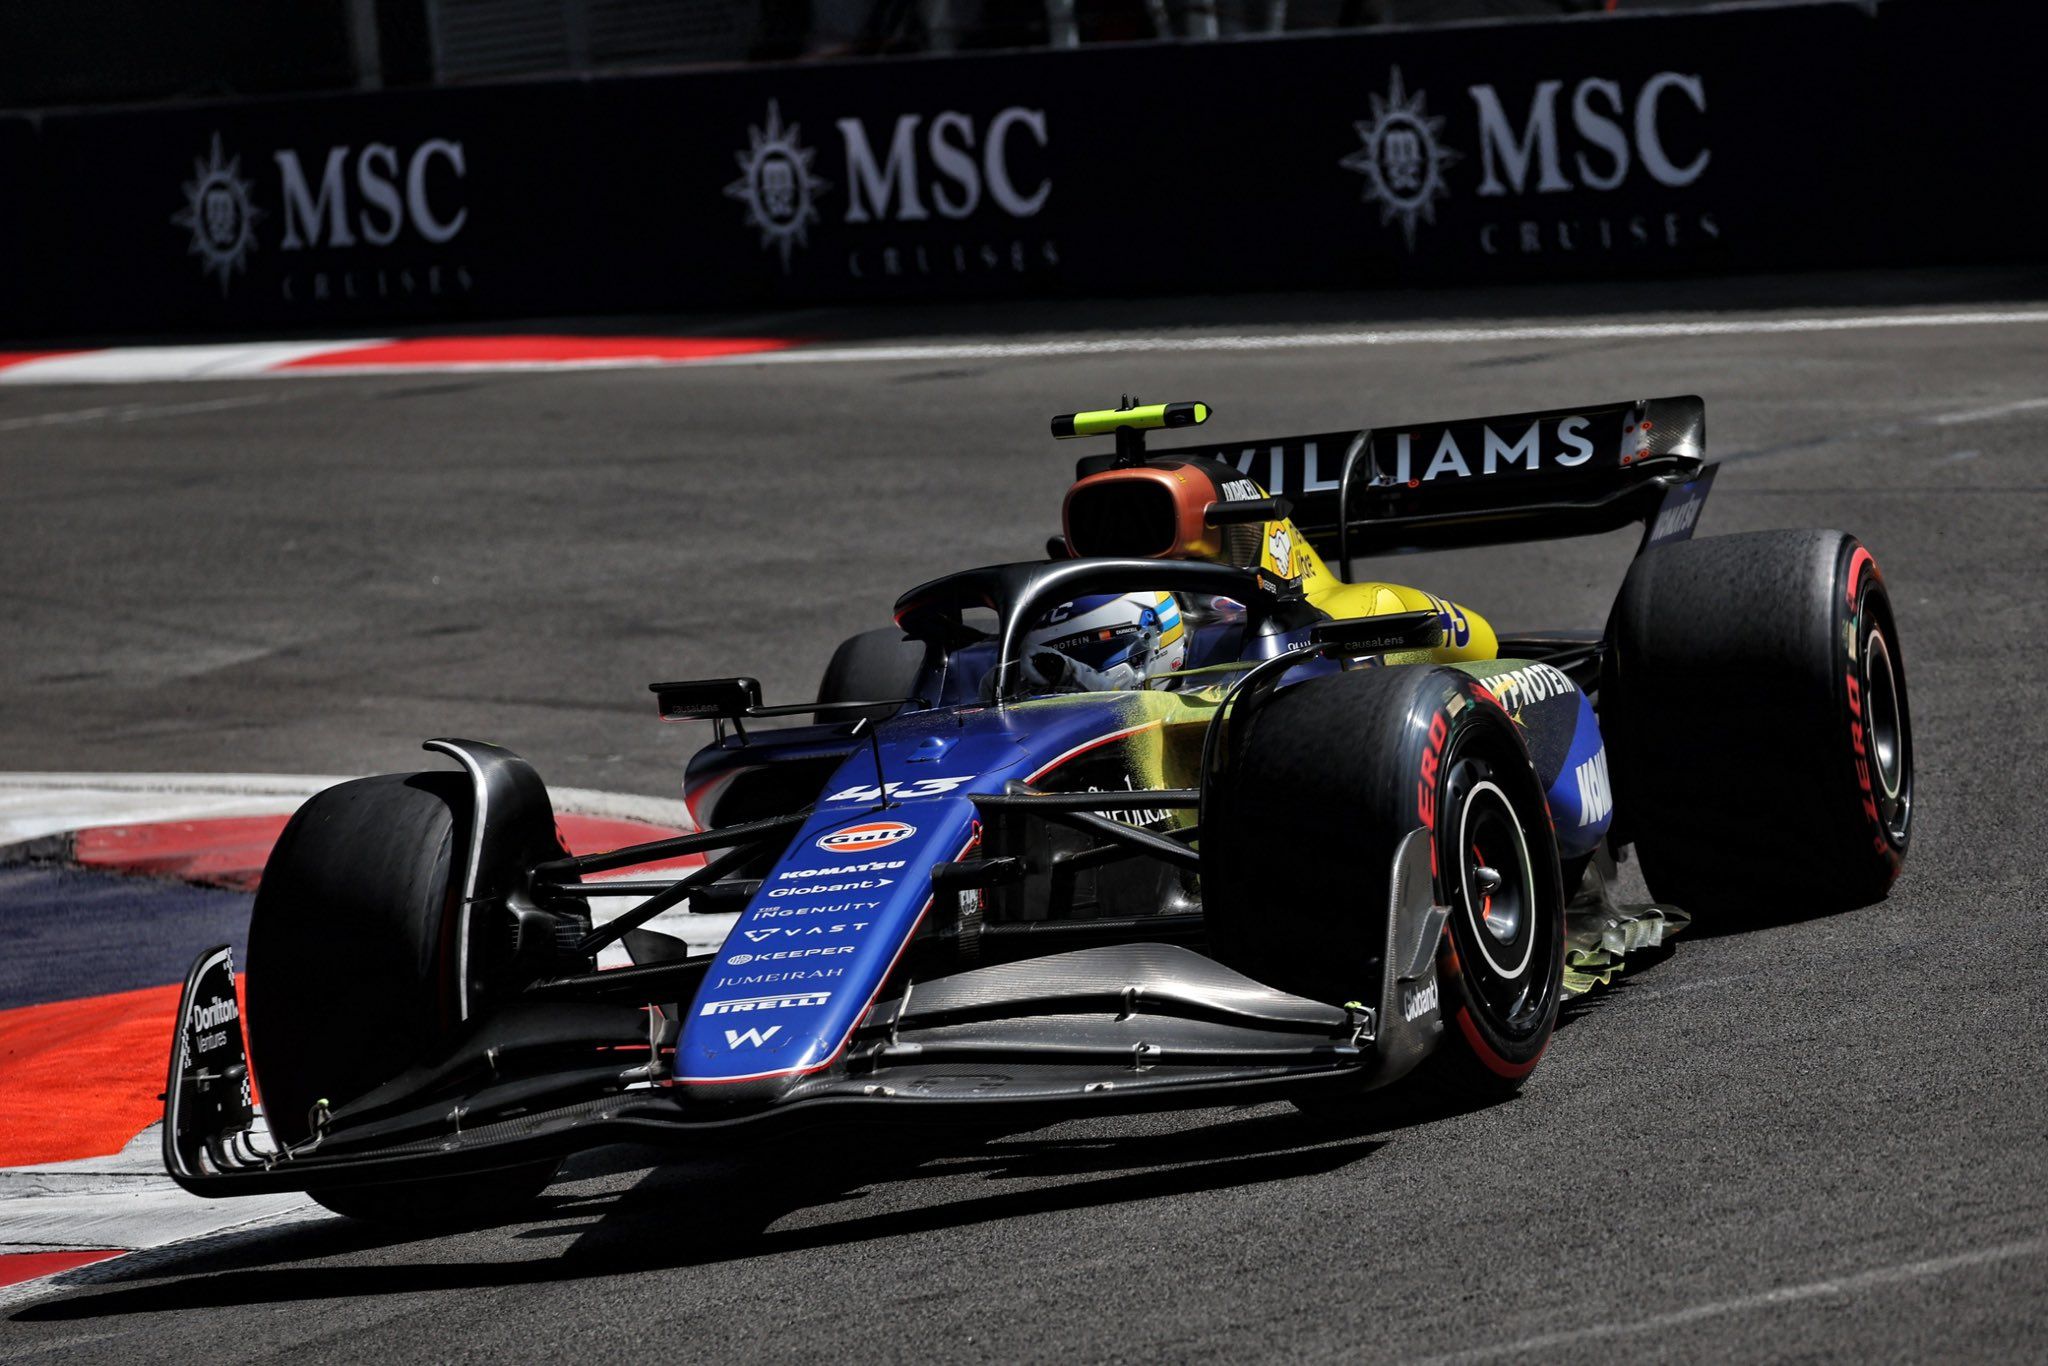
(136, 364)
(133, 412)
(266, 359)
(36, 804)
(2025, 405)
(1435, 336)
(1769, 1299)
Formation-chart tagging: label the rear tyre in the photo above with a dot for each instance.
(1298, 856)
(353, 965)
(1756, 714)
(871, 666)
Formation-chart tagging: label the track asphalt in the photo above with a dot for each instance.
(1809, 1138)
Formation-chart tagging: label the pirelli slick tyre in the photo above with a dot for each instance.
(872, 665)
(1755, 704)
(352, 970)
(1298, 846)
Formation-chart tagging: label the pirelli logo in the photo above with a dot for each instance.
(748, 1004)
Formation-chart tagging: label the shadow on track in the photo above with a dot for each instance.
(702, 1212)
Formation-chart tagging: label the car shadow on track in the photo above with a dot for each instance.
(691, 1213)
(777, 1199)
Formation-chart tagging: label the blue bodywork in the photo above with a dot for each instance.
(816, 943)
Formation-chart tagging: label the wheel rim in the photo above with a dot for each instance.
(1882, 722)
(1495, 877)
(1501, 931)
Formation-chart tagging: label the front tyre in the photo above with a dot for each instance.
(1299, 840)
(354, 968)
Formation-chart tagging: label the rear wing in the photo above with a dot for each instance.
(1482, 481)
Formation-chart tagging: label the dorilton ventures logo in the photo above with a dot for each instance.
(219, 215)
(777, 185)
(1402, 160)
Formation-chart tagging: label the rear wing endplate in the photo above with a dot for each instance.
(1482, 481)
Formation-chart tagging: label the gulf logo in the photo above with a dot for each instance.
(858, 839)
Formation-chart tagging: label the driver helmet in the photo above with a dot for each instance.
(1106, 642)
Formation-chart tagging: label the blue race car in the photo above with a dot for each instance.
(1182, 814)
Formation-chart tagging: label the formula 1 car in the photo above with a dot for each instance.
(1179, 815)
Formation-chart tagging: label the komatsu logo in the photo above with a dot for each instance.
(875, 866)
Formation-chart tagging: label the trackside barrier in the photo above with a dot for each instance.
(1750, 138)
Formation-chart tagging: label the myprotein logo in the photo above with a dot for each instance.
(859, 839)
(905, 179)
(1591, 135)
(360, 199)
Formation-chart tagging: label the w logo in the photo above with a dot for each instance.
(753, 1038)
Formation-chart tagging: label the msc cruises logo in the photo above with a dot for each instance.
(219, 215)
(777, 185)
(1401, 159)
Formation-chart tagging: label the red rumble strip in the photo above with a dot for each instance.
(431, 352)
(16, 1267)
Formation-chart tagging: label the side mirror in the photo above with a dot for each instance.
(707, 699)
(1247, 510)
(1379, 635)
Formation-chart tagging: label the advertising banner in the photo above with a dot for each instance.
(1755, 138)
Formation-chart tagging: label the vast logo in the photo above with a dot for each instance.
(1402, 160)
(219, 214)
(858, 839)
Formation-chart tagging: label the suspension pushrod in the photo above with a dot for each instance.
(750, 833)
(677, 893)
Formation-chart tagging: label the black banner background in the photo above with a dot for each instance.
(1807, 135)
